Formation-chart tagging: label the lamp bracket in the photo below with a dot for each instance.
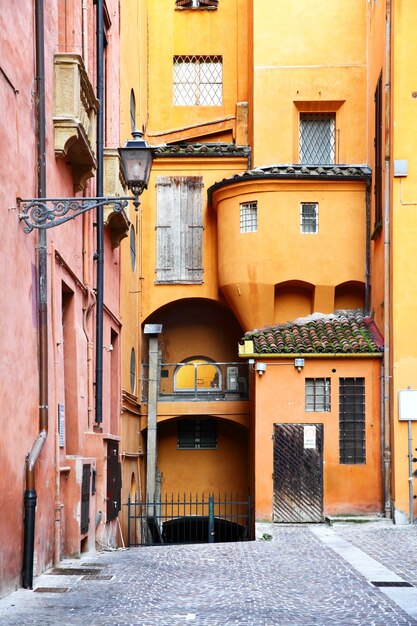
(42, 213)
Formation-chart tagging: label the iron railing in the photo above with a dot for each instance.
(184, 520)
(199, 380)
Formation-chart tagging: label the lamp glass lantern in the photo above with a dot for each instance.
(136, 156)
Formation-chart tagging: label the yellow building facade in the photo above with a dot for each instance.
(261, 210)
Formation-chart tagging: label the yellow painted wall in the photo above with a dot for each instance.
(307, 53)
(223, 470)
(280, 398)
(404, 231)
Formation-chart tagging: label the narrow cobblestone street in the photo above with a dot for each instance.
(309, 575)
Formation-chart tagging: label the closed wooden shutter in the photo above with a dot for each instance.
(179, 229)
(114, 480)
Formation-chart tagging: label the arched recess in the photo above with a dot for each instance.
(203, 454)
(349, 295)
(196, 326)
(293, 298)
(197, 372)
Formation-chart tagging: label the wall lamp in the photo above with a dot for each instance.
(299, 364)
(42, 213)
(261, 368)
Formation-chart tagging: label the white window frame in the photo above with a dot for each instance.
(317, 395)
(249, 217)
(194, 83)
(308, 225)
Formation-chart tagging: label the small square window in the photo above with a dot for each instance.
(249, 217)
(317, 396)
(309, 218)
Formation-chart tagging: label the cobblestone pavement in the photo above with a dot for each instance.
(295, 579)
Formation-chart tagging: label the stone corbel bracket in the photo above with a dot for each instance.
(114, 186)
(74, 117)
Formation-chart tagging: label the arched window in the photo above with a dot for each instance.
(132, 240)
(132, 370)
(132, 110)
(197, 373)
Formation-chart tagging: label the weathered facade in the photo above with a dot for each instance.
(48, 86)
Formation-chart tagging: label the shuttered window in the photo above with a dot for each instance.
(179, 229)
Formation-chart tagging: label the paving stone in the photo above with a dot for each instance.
(292, 580)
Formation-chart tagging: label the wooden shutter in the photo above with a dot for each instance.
(114, 480)
(85, 498)
(179, 229)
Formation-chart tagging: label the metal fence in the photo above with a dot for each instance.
(182, 520)
(199, 380)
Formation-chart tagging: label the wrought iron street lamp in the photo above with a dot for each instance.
(136, 156)
(43, 213)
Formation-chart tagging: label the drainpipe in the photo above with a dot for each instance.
(99, 255)
(368, 247)
(387, 265)
(32, 458)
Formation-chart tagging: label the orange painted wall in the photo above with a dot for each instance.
(224, 470)
(251, 265)
(280, 397)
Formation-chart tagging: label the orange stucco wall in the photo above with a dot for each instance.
(223, 470)
(252, 264)
(280, 398)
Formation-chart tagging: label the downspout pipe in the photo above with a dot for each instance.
(30, 496)
(368, 247)
(387, 265)
(99, 256)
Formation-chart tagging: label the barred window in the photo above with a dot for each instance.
(249, 217)
(317, 138)
(198, 80)
(351, 420)
(197, 3)
(309, 218)
(317, 394)
(197, 434)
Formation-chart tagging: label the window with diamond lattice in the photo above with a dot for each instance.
(309, 218)
(351, 420)
(317, 138)
(249, 217)
(317, 394)
(198, 80)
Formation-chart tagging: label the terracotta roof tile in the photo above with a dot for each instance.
(319, 334)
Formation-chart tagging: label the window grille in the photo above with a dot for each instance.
(248, 217)
(317, 394)
(197, 3)
(352, 420)
(197, 434)
(198, 80)
(309, 218)
(317, 138)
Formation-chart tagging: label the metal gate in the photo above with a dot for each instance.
(194, 519)
(298, 473)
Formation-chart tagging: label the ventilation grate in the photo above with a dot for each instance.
(51, 590)
(391, 583)
(96, 577)
(74, 571)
